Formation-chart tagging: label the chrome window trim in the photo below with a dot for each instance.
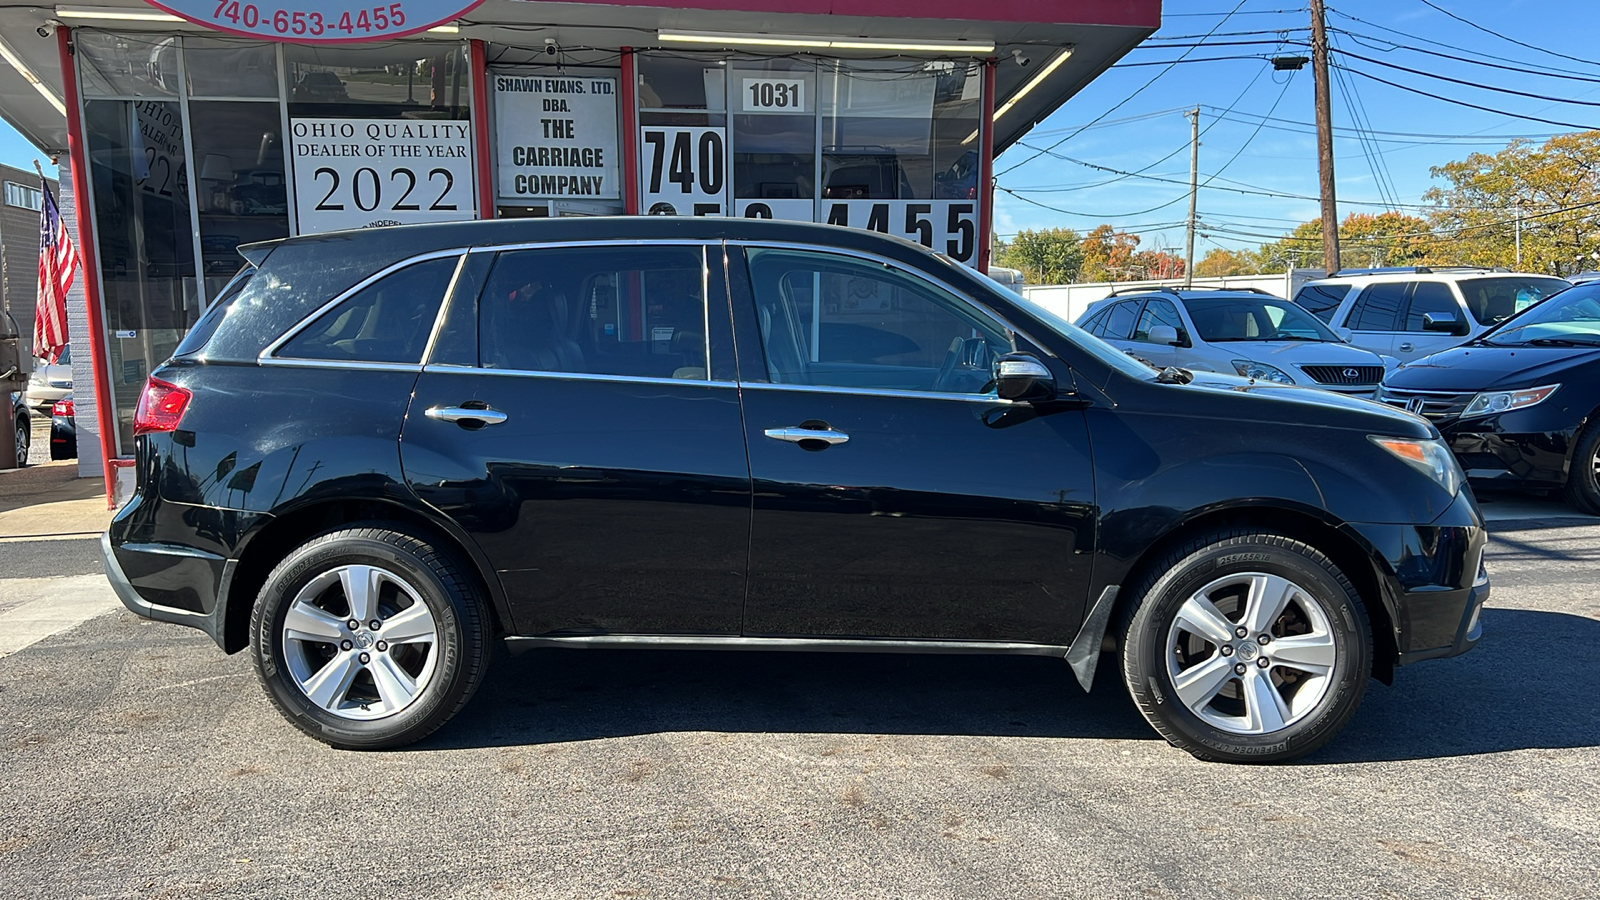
(270, 353)
(446, 369)
(993, 399)
(444, 309)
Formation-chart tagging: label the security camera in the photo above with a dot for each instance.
(551, 48)
(1022, 59)
(47, 29)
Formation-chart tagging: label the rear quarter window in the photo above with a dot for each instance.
(1322, 300)
(388, 321)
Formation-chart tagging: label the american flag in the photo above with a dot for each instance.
(58, 266)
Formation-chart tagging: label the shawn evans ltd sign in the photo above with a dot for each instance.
(318, 21)
(352, 173)
(557, 137)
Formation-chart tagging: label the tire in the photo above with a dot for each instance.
(24, 440)
(350, 687)
(1582, 489)
(1273, 711)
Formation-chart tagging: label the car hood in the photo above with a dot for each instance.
(1309, 405)
(1303, 353)
(1480, 368)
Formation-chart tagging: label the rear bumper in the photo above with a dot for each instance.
(183, 570)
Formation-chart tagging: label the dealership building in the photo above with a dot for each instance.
(185, 129)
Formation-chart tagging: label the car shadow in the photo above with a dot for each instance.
(1529, 684)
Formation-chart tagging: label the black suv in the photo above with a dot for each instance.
(381, 450)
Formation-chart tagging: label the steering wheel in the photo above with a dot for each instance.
(947, 368)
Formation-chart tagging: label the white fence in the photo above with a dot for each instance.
(1070, 300)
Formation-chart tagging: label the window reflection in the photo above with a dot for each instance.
(410, 80)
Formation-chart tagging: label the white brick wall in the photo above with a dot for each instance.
(85, 410)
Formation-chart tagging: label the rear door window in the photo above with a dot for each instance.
(1322, 300)
(1430, 297)
(1378, 307)
(388, 321)
(1120, 319)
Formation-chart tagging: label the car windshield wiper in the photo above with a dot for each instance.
(1561, 342)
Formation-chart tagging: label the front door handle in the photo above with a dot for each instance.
(466, 416)
(801, 435)
(1406, 347)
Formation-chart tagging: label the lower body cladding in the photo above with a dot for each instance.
(1433, 579)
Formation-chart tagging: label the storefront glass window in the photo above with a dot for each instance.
(241, 182)
(893, 131)
(146, 243)
(774, 137)
(668, 82)
(126, 65)
(230, 67)
(395, 81)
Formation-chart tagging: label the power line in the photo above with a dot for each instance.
(1124, 100)
(1393, 45)
(1234, 12)
(1369, 147)
(1472, 84)
(1469, 22)
(1417, 37)
(1414, 134)
(1451, 100)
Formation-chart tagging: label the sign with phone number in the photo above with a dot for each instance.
(318, 21)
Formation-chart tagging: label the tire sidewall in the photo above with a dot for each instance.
(1583, 486)
(1151, 683)
(298, 569)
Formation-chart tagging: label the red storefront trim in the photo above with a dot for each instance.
(630, 133)
(480, 129)
(88, 254)
(986, 169)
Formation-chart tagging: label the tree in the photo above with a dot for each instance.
(1549, 188)
(1365, 241)
(1228, 262)
(1108, 255)
(1052, 256)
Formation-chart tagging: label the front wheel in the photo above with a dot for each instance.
(1582, 489)
(368, 638)
(24, 440)
(1247, 647)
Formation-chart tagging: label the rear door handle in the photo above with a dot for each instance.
(800, 435)
(465, 415)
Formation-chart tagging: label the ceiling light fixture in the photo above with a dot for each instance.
(822, 42)
(1027, 87)
(108, 14)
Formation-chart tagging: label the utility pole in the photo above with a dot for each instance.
(1319, 72)
(1519, 237)
(1194, 189)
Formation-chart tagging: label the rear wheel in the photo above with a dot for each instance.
(1582, 489)
(24, 440)
(367, 638)
(1247, 647)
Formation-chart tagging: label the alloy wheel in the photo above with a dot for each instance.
(1251, 653)
(360, 642)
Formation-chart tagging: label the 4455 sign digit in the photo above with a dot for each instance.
(318, 21)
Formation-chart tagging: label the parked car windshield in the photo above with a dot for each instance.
(1572, 319)
(1497, 298)
(1094, 346)
(1222, 319)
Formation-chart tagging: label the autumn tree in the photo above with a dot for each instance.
(1108, 255)
(1052, 256)
(1228, 262)
(1552, 188)
(1365, 241)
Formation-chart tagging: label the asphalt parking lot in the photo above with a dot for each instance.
(140, 762)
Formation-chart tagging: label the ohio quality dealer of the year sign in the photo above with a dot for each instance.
(318, 21)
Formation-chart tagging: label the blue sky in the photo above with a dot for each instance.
(1279, 157)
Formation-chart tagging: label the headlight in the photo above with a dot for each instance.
(1431, 458)
(1490, 402)
(1261, 371)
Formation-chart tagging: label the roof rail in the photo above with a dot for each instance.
(1414, 270)
(1176, 290)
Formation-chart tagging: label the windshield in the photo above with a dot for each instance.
(1095, 347)
(1264, 318)
(1572, 319)
(1497, 298)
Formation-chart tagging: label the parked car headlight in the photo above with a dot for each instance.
(1490, 402)
(1431, 458)
(1261, 371)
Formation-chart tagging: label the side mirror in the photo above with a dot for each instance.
(1165, 334)
(1443, 321)
(1022, 377)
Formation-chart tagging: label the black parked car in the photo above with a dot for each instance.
(63, 429)
(381, 450)
(1518, 405)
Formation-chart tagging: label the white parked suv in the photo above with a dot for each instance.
(1236, 332)
(1412, 312)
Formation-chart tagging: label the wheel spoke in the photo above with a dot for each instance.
(1269, 594)
(396, 687)
(361, 589)
(329, 684)
(1200, 616)
(1196, 685)
(1314, 653)
(1264, 706)
(310, 623)
(411, 625)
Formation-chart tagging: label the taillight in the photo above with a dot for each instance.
(161, 407)
(61, 408)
